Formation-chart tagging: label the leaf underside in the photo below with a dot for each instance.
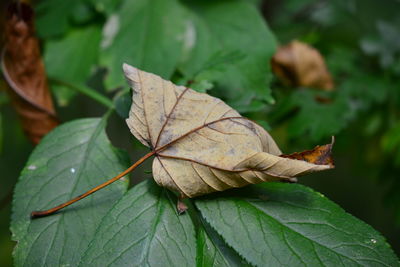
(201, 144)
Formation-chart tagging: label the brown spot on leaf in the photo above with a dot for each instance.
(298, 64)
(24, 72)
(320, 155)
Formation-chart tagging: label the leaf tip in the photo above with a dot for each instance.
(128, 69)
(131, 74)
(320, 155)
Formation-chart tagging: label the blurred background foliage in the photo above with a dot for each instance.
(224, 48)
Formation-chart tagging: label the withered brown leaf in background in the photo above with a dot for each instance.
(298, 64)
(25, 74)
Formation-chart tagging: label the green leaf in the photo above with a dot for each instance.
(82, 13)
(213, 251)
(385, 44)
(123, 103)
(212, 70)
(291, 225)
(356, 91)
(106, 6)
(72, 59)
(319, 120)
(54, 17)
(70, 160)
(148, 35)
(314, 114)
(230, 27)
(143, 229)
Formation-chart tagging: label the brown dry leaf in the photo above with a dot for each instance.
(320, 155)
(201, 144)
(24, 72)
(298, 64)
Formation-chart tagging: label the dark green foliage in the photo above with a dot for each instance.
(216, 30)
(360, 42)
(282, 224)
(222, 47)
(143, 229)
(290, 225)
(148, 34)
(72, 59)
(75, 157)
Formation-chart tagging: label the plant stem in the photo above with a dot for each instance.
(86, 91)
(37, 214)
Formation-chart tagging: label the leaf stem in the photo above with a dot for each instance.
(37, 214)
(86, 91)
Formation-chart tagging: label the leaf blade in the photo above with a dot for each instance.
(213, 251)
(61, 166)
(143, 228)
(159, 24)
(72, 59)
(294, 226)
(221, 27)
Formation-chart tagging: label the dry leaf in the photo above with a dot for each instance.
(298, 64)
(201, 144)
(24, 72)
(320, 155)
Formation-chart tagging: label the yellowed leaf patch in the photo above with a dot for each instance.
(201, 144)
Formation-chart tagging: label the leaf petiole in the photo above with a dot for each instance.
(37, 214)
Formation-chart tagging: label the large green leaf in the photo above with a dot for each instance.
(145, 34)
(277, 224)
(72, 59)
(213, 251)
(216, 27)
(70, 160)
(143, 229)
